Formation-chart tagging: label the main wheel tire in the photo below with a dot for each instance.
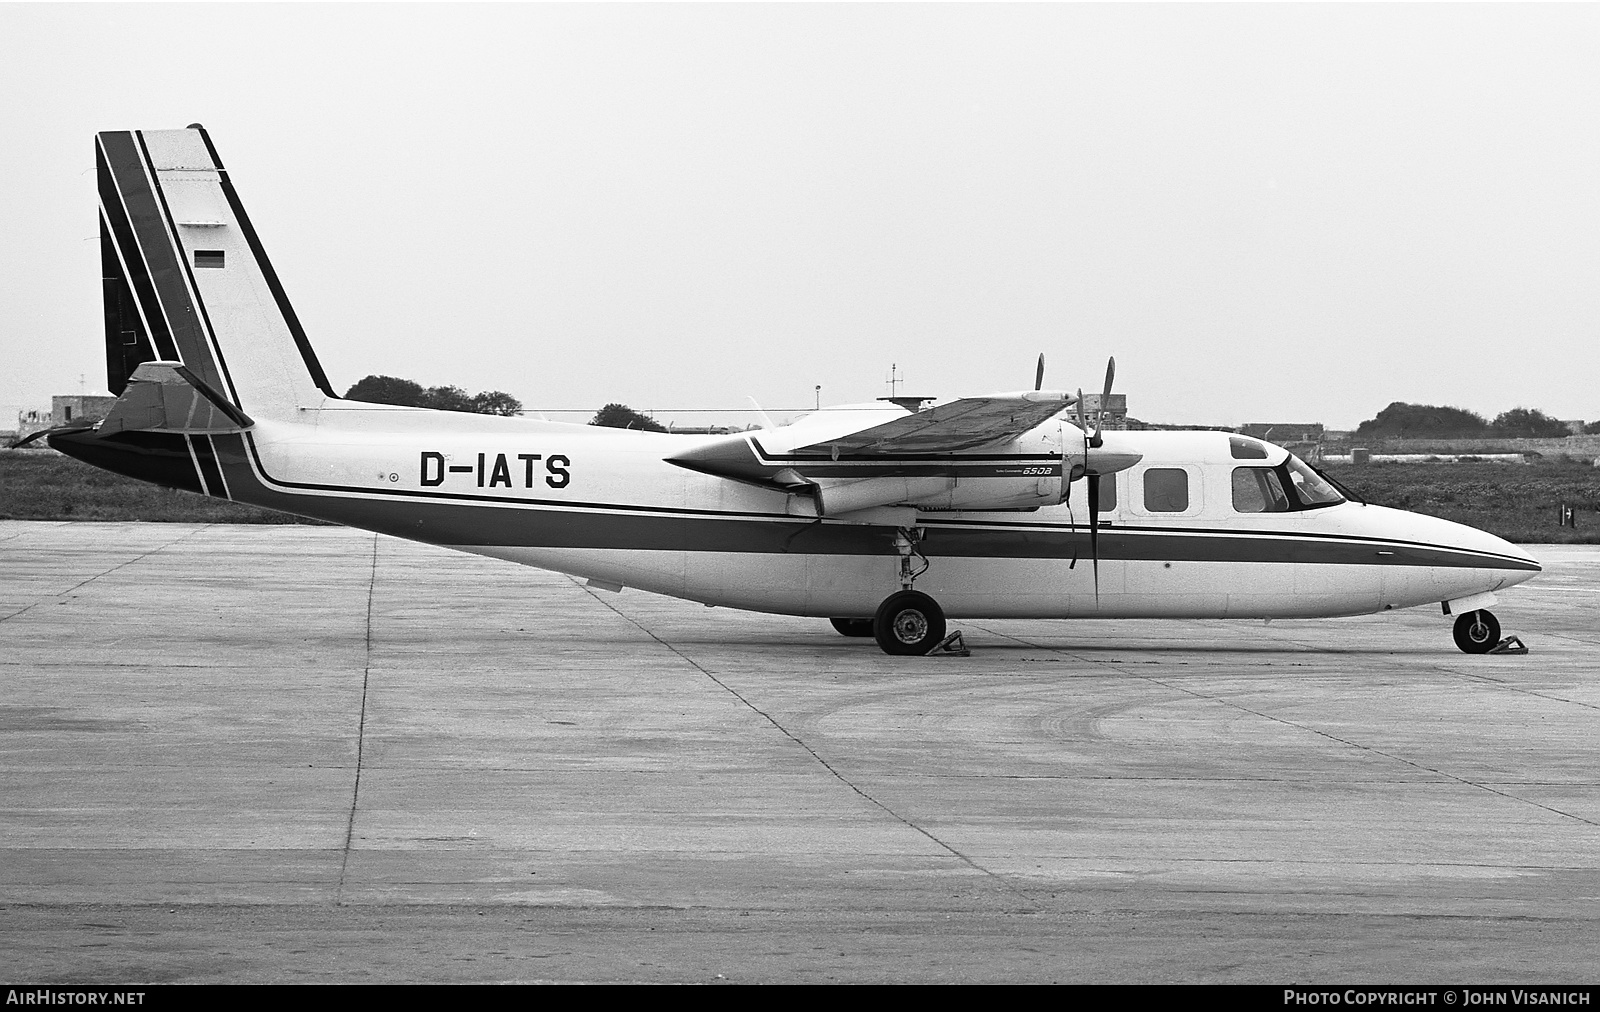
(908, 623)
(852, 626)
(1477, 632)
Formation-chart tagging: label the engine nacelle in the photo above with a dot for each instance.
(1037, 475)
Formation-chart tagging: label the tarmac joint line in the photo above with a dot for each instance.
(361, 732)
(108, 572)
(764, 715)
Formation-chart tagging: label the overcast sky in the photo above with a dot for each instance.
(1266, 213)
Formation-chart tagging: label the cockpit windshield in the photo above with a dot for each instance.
(1310, 487)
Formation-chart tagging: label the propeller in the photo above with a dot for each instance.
(1091, 440)
(1092, 481)
(1092, 477)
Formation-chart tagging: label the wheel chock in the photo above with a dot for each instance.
(1509, 645)
(950, 646)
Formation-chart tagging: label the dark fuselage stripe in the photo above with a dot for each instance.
(1107, 527)
(206, 459)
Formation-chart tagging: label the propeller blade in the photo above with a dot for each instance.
(1094, 532)
(1068, 500)
(766, 423)
(1038, 375)
(1105, 401)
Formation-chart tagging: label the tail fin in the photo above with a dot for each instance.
(187, 281)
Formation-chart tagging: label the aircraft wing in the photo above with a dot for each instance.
(920, 443)
(958, 425)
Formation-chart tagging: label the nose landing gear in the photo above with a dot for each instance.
(1477, 632)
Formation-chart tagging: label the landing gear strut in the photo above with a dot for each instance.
(909, 622)
(905, 542)
(1477, 632)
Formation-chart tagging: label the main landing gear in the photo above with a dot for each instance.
(1477, 632)
(908, 622)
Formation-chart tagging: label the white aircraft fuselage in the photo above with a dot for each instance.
(605, 505)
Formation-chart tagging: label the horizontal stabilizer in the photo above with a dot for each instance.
(167, 397)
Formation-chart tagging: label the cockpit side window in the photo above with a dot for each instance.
(1258, 490)
(1309, 486)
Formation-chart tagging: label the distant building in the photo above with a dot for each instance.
(1303, 439)
(29, 422)
(1284, 433)
(64, 410)
(69, 408)
(1116, 410)
(1575, 425)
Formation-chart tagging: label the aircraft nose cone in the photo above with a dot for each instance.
(1515, 562)
(1517, 551)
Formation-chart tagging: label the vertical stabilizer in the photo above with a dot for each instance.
(186, 279)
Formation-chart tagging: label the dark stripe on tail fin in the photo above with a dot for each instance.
(134, 191)
(301, 341)
(127, 343)
(131, 266)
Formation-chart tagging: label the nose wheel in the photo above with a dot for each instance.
(1477, 632)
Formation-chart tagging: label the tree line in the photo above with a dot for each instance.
(1429, 421)
(406, 393)
(410, 394)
